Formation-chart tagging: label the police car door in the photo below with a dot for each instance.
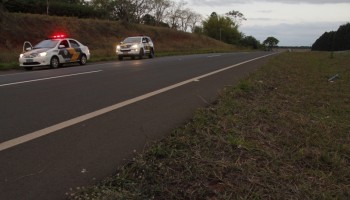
(63, 52)
(74, 50)
(146, 45)
(27, 46)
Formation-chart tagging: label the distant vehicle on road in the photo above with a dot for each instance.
(54, 52)
(135, 46)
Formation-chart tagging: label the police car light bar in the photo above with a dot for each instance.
(58, 36)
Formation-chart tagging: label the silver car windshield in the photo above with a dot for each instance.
(46, 44)
(132, 40)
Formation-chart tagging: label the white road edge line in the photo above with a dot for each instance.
(54, 77)
(71, 122)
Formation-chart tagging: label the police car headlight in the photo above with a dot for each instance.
(42, 54)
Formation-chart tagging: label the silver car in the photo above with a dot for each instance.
(138, 46)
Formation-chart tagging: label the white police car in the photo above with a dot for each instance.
(54, 52)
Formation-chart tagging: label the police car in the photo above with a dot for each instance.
(54, 52)
(135, 46)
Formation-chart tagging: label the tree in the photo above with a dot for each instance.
(1, 12)
(198, 30)
(342, 38)
(325, 42)
(74, 8)
(221, 28)
(104, 7)
(123, 10)
(236, 16)
(181, 18)
(142, 7)
(186, 19)
(101, 4)
(196, 18)
(334, 40)
(175, 13)
(159, 8)
(270, 42)
(148, 20)
(250, 41)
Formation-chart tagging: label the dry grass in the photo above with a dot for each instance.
(282, 133)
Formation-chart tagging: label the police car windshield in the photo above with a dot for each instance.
(132, 40)
(46, 44)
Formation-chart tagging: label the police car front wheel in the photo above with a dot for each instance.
(83, 60)
(54, 62)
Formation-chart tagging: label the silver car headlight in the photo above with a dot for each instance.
(21, 55)
(43, 54)
(118, 47)
(135, 46)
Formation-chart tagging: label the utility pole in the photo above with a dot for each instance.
(47, 7)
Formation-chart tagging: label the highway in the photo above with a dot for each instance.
(73, 126)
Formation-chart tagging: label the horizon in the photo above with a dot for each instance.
(293, 23)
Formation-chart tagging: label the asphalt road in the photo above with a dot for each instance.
(73, 126)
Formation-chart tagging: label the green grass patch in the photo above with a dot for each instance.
(8, 66)
(282, 133)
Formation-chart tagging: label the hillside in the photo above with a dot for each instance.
(101, 36)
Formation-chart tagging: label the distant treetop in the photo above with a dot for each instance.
(334, 40)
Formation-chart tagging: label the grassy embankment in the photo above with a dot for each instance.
(100, 36)
(282, 133)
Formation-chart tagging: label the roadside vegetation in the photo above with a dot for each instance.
(101, 36)
(160, 13)
(175, 28)
(281, 133)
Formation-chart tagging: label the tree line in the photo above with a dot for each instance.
(151, 12)
(165, 13)
(334, 40)
(76, 8)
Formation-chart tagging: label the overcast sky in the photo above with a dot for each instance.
(292, 22)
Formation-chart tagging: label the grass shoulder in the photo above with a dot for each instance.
(99, 58)
(9, 66)
(282, 133)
